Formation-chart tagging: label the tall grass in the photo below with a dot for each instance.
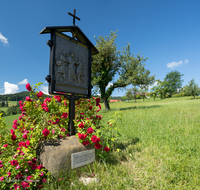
(158, 149)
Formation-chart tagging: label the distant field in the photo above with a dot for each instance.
(12, 103)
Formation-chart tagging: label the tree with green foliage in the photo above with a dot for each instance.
(110, 62)
(172, 82)
(192, 89)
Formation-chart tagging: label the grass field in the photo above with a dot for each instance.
(159, 148)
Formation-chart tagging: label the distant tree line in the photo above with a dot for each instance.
(14, 97)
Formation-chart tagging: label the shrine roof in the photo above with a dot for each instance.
(73, 29)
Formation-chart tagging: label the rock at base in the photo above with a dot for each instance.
(55, 155)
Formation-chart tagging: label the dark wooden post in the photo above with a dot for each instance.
(71, 115)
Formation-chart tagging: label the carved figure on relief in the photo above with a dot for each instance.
(72, 68)
(80, 72)
(61, 72)
(85, 74)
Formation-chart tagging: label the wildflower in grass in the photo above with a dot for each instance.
(45, 132)
(1, 178)
(28, 87)
(5, 145)
(1, 165)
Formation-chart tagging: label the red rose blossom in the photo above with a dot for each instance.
(5, 145)
(81, 125)
(106, 149)
(13, 137)
(90, 108)
(90, 130)
(85, 143)
(25, 136)
(14, 162)
(28, 87)
(97, 101)
(97, 146)
(82, 136)
(45, 132)
(94, 139)
(39, 94)
(64, 115)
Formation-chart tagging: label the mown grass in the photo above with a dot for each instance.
(159, 148)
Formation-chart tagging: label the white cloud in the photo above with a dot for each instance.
(10, 88)
(109, 84)
(44, 89)
(25, 81)
(176, 64)
(186, 61)
(3, 39)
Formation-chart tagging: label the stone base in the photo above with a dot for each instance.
(55, 155)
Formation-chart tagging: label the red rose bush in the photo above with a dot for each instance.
(43, 119)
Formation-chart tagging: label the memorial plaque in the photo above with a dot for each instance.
(82, 158)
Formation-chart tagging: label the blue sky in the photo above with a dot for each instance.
(165, 31)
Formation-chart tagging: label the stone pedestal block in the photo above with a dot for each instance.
(55, 155)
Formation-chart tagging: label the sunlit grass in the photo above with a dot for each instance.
(159, 148)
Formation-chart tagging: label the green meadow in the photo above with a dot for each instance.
(159, 148)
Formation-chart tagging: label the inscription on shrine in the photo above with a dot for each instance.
(82, 158)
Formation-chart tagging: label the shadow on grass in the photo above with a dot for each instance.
(125, 149)
(140, 107)
(196, 98)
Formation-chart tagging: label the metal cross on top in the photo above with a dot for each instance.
(74, 16)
